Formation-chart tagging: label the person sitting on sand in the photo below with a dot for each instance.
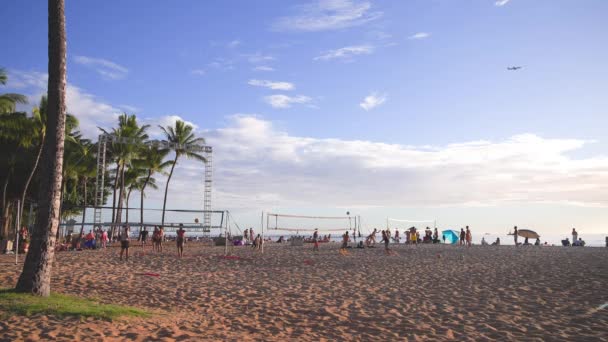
(124, 241)
(526, 243)
(566, 242)
(181, 235)
(537, 243)
(483, 241)
(496, 243)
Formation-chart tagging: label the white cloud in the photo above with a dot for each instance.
(323, 15)
(272, 85)
(258, 57)
(254, 160)
(501, 3)
(233, 44)
(284, 101)
(107, 69)
(198, 72)
(373, 100)
(346, 52)
(263, 68)
(168, 120)
(420, 35)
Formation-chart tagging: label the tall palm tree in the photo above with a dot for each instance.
(180, 134)
(36, 275)
(125, 154)
(152, 159)
(9, 101)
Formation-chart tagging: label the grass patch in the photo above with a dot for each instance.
(62, 305)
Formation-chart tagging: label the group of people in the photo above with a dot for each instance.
(248, 237)
(576, 241)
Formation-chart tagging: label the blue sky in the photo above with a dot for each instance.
(403, 90)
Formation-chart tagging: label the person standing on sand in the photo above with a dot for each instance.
(469, 238)
(251, 234)
(515, 235)
(386, 237)
(397, 238)
(161, 238)
(345, 240)
(104, 239)
(144, 238)
(574, 234)
(181, 234)
(245, 235)
(463, 236)
(315, 240)
(124, 241)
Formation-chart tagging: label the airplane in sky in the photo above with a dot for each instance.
(513, 68)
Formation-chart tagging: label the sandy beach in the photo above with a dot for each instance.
(427, 292)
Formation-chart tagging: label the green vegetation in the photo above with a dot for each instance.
(63, 305)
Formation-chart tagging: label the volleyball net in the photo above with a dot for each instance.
(392, 223)
(275, 222)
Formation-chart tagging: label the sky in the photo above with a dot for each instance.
(402, 109)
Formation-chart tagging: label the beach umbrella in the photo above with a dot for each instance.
(527, 233)
(451, 236)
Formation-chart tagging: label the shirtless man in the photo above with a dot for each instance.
(315, 241)
(180, 241)
(144, 238)
(345, 240)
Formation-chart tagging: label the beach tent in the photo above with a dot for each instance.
(527, 233)
(451, 236)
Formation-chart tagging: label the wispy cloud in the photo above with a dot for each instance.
(420, 35)
(198, 72)
(323, 15)
(233, 44)
(258, 57)
(107, 69)
(263, 68)
(373, 100)
(501, 3)
(345, 53)
(272, 84)
(284, 101)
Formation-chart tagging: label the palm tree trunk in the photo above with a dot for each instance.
(84, 210)
(29, 178)
(121, 195)
(61, 204)
(167, 188)
(127, 205)
(6, 214)
(4, 217)
(114, 196)
(141, 204)
(36, 275)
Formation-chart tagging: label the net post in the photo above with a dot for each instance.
(262, 223)
(226, 235)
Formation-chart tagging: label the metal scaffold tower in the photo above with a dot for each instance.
(206, 150)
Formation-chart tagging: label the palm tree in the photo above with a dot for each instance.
(9, 101)
(152, 159)
(181, 135)
(36, 275)
(125, 153)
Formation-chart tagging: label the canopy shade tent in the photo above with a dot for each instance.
(451, 236)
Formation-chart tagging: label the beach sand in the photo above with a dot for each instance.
(428, 292)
